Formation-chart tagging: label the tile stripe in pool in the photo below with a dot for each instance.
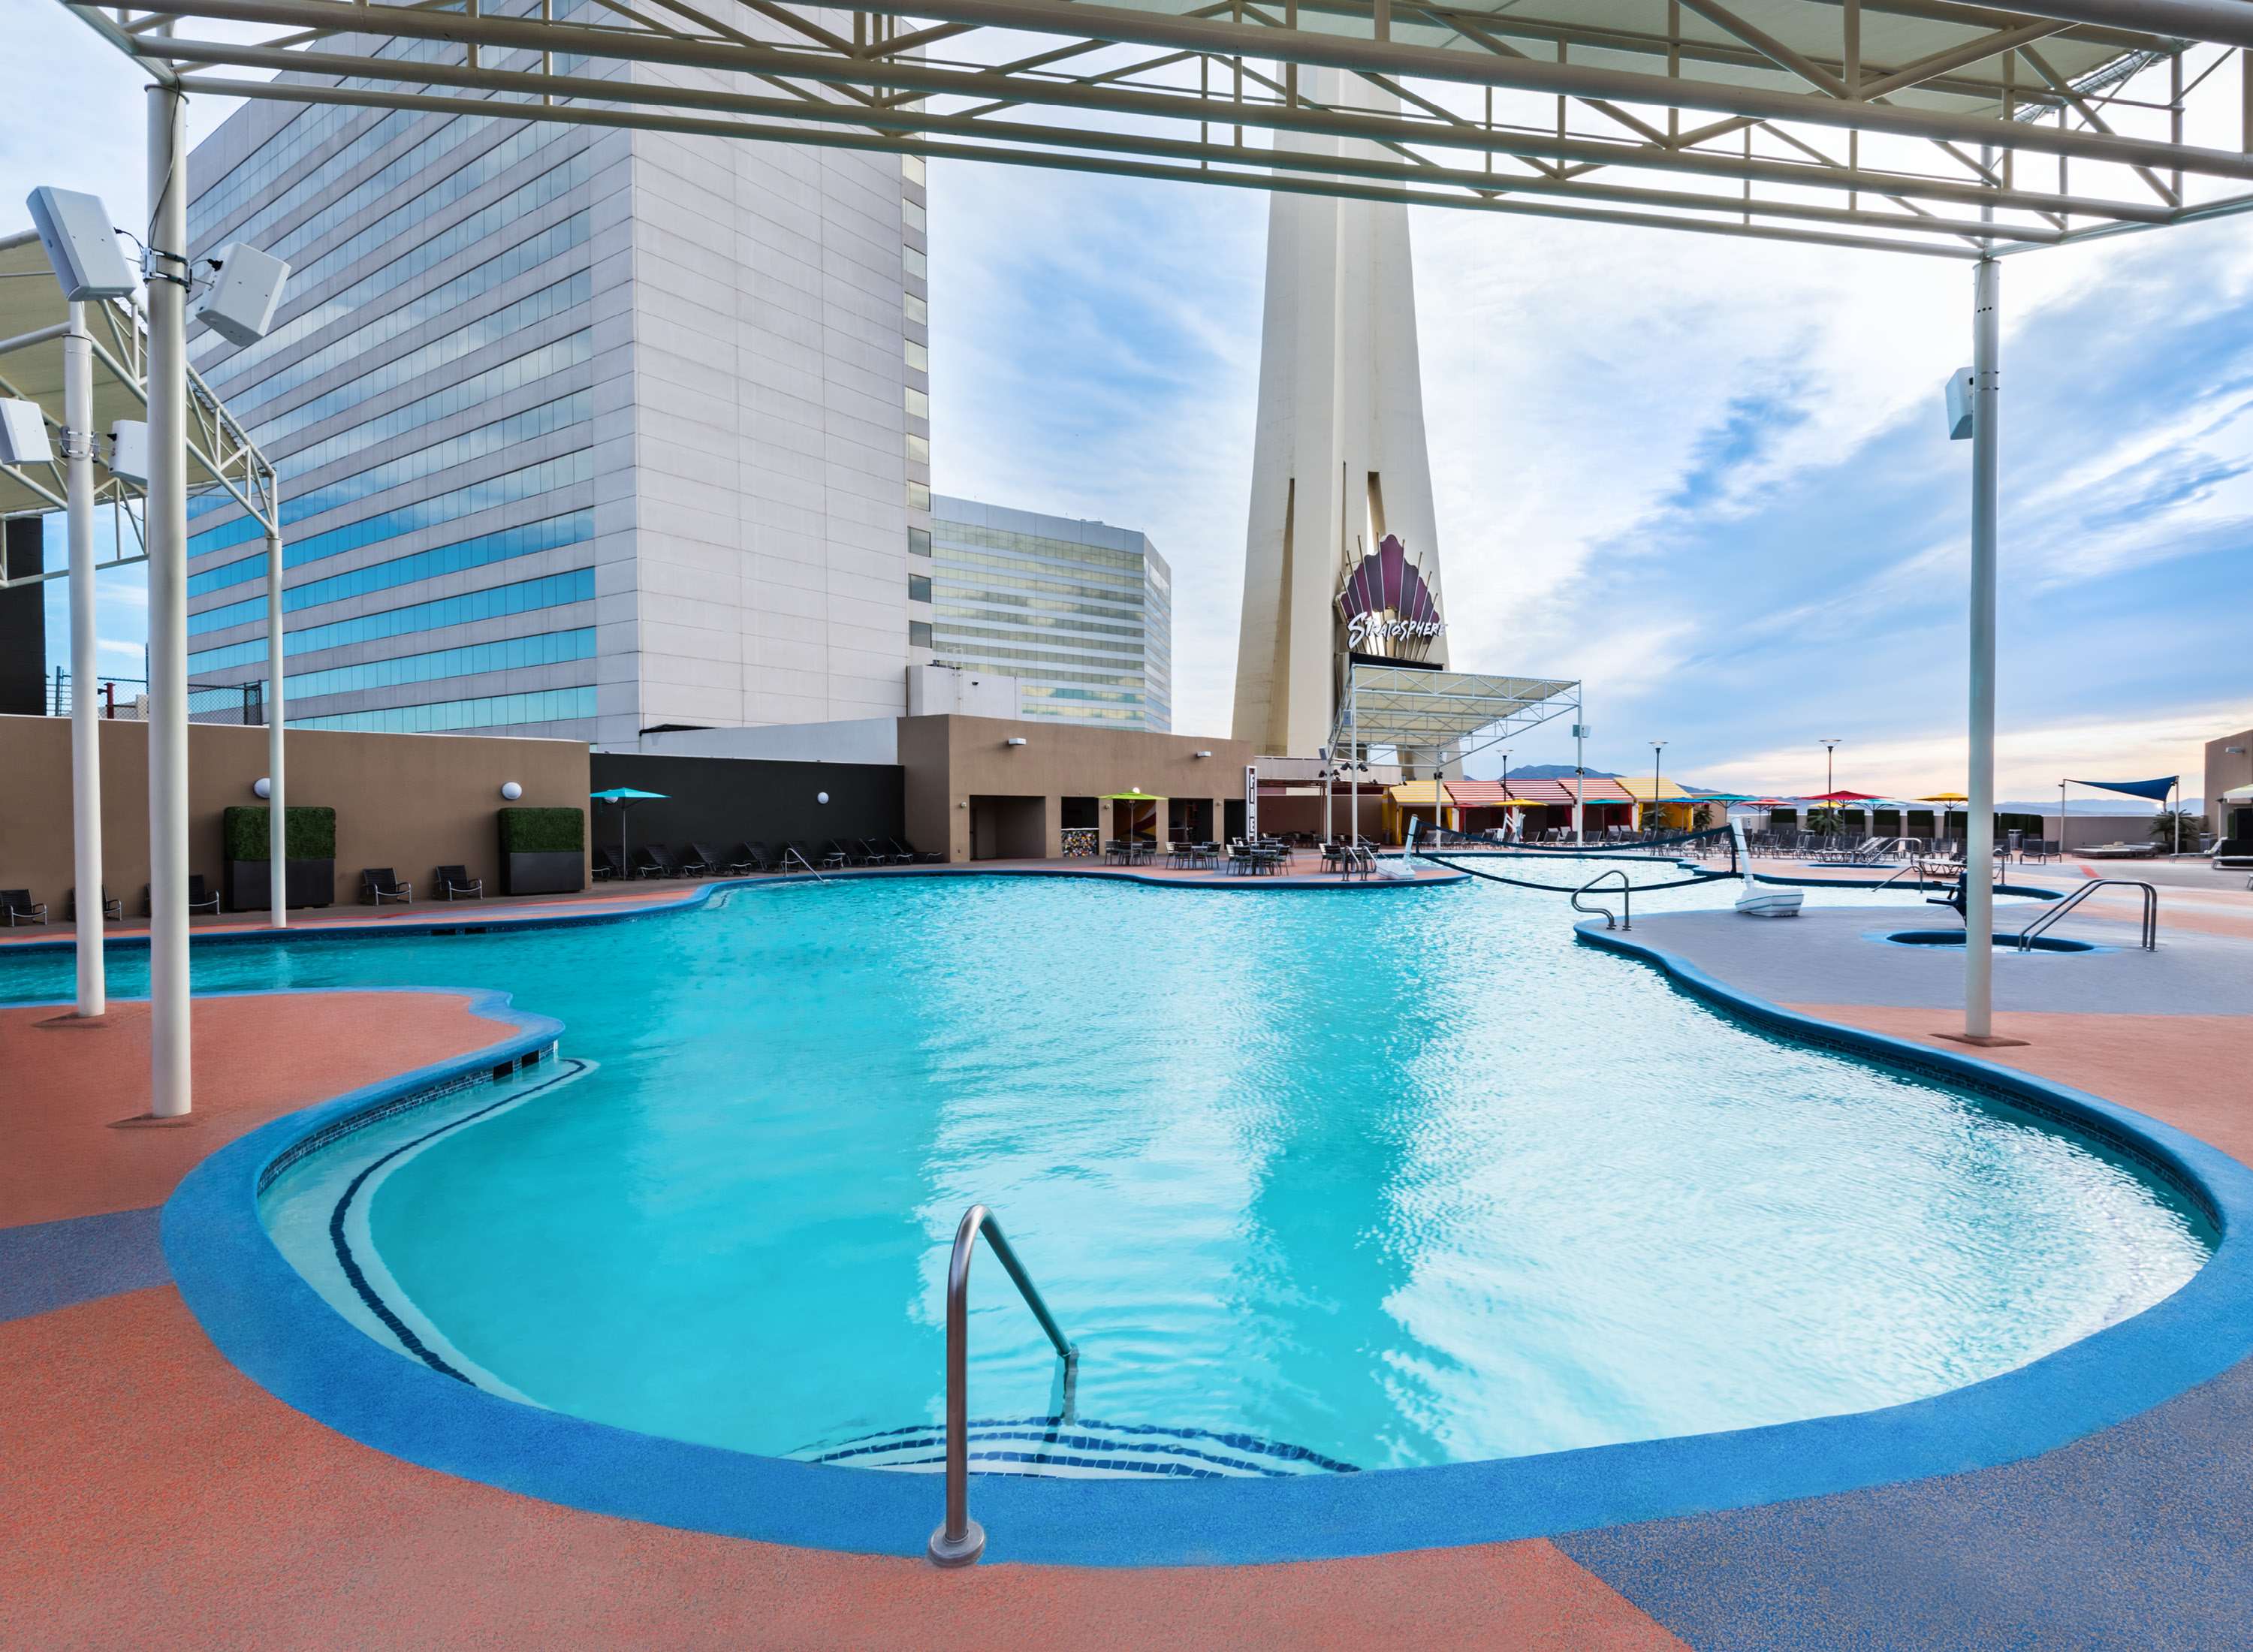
(1152, 1451)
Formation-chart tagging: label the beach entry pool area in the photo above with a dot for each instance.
(1314, 1183)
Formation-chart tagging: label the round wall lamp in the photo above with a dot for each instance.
(511, 791)
(261, 787)
(821, 797)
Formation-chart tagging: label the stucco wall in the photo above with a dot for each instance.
(411, 802)
(2226, 771)
(950, 760)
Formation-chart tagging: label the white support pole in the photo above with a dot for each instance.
(86, 730)
(277, 863)
(170, 1091)
(1580, 774)
(1979, 828)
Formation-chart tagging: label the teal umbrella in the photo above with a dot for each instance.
(625, 798)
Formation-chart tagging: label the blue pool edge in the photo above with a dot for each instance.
(272, 1325)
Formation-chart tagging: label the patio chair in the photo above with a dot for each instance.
(763, 856)
(881, 853)
(201, 896)
(1333, 857)
(845, 851)
(745, 859)
(109, 908)
(377, 883)
(21, 908)
(607, 865)
(455, 883)
(796, 856)
(912, 856)
(696, 861)
(652, 861)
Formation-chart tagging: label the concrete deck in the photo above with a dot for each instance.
(154, 1495)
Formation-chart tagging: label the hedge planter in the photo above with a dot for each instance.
(543, 851)
(309, 877)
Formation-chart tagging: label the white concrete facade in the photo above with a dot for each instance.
(1339, 457)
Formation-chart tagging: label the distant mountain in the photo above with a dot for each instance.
(1558, 771)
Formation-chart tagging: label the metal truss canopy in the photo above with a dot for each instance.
(1453, 713)
(33, 319)
(1925, 126)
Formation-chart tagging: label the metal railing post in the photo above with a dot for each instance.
(959, 1540)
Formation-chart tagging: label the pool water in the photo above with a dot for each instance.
(1402, 1177)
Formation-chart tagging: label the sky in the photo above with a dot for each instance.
(1707, 477)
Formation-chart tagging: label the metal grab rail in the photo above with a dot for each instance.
(959, 1540)
(2151, 924)
(1627, 898)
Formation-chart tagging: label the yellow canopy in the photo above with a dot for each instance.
(1945, 797)
(1417, 794)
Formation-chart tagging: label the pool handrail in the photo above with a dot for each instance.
(2149, 938)
(959, 1540)
(1627, 898)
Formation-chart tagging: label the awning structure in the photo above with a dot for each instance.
(1661, 790)
(2154, 791)
(1801, 121)
(33, 318)
(1431, 712)
(1417, 794)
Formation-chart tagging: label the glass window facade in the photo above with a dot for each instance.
(505, 489)
(493, 711)
(493, 602)
(440, 559)
(1079, 612)
(512, 653)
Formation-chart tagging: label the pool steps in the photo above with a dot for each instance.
(1080, 1448)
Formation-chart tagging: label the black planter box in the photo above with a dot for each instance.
(550, 872)
(247, 888)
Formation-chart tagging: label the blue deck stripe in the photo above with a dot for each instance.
(45, 1266)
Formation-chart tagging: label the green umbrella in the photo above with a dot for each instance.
(625, 798)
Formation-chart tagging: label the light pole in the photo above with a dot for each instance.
(1505, 797)
(1657, 746)
(1829, 747)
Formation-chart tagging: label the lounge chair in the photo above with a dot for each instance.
(833, 858)
(880, 853)
(607, 865)
(766, 857)
(745, 859)
(796, 857)
(650, 863)
(377, 883)
(20, 907)
(109, 908)
(455, 883)
(910, 855)
(696, 861)
(850, 852)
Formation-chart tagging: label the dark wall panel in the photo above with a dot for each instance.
(23, 621)
(723, 801)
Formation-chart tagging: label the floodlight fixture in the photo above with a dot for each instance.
(1959, 405)
(81, 245)
(129, 452)
(24, 434)
(246, 287)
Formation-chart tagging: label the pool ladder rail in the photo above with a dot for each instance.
(959, 1540)
(2148, 937)
(1625, 917)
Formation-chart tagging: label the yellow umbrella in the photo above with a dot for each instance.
(1945, 797)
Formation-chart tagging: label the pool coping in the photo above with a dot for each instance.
(688, 900)
(272, 1324)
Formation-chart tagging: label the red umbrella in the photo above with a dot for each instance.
(1846, 796)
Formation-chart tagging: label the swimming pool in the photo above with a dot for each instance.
(1401, 1180)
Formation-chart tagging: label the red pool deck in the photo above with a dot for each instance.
(153, 1495)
